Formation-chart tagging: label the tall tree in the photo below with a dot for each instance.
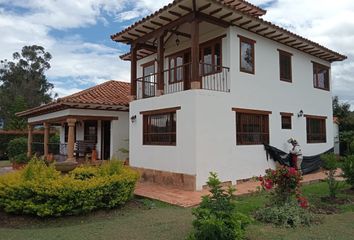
(23, 83)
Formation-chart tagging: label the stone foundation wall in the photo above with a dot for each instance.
(178, 180)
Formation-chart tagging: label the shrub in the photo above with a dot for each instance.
(330, 164)
(217, 217)
(16, 147)
(348, 170)
(284, 184)
(287, 215)
(41, 190)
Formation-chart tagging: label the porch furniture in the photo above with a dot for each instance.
(84, 147)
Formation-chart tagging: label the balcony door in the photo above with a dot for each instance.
(149, 79)
(179, 69)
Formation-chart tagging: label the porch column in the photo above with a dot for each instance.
(46, 139)
(195, 78)
(133, 87)
(160, 64)
(29, 140)
(71, 139)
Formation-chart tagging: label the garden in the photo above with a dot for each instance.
(38, 202)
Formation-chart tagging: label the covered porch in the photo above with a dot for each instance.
(93, 125)
(81, 138)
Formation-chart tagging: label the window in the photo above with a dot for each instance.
(247, 55)
(159, 127)
(320, 76)
(149, 79)
(252, 127)
(316, 129)
(90, 131)
(210, 57)
(286, 120)
(285, 66)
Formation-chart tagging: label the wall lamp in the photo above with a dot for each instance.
(133, 118)
(300, 114)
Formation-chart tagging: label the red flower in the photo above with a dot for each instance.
(303, 202)
(260, 178)
(268, 184)
(292, 171)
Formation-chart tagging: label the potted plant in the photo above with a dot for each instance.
(16, 150)
(19, 161)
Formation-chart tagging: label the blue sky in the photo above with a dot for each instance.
(77, 34)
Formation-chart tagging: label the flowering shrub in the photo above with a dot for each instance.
(284, 183)
(41, 190)
(284, 186)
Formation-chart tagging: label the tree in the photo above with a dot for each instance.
(23, 83)
(340, 110)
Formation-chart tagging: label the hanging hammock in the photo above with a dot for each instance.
(308, 165)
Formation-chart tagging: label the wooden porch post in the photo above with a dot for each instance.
(195, 78)
(46, 139)
(71, 139)
(29, 140)
(133, 87)
(160, 64)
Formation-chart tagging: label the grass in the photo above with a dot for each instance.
(5, 163)
(147, 219)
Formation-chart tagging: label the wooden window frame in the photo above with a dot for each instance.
(285, 115)
(323, 127)
(289, 55)
(252, 43)
(170, 112)
(315, 69)
(264, 125)
(210, 43)
(95, 123)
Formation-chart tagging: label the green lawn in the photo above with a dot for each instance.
(146, 219)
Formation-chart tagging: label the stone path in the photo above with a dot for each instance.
(4, 170)
(185, 198)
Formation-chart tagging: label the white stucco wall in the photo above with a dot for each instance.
(206, 125)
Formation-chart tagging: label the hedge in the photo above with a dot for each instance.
(41, 190)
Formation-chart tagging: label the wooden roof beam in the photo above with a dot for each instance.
(236, 19)
(186, 35)
(215, 11)
(174, 13)
(226, 15)
(185, 8)
(212, 20)
(262, 29)
(206, 6)
(150, 28)
(254, 26)
(165, 19)
(245, 23)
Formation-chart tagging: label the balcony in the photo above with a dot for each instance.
(177, 79)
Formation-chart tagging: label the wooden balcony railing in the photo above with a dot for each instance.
(177, 79)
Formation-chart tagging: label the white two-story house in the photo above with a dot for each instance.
(211, 82)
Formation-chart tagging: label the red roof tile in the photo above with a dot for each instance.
(110, 93)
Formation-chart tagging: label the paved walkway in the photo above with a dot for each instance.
(185, 198)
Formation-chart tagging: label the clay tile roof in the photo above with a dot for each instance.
(108, 94)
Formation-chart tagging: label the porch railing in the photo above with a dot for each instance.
(53, 148)
(177, 79)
